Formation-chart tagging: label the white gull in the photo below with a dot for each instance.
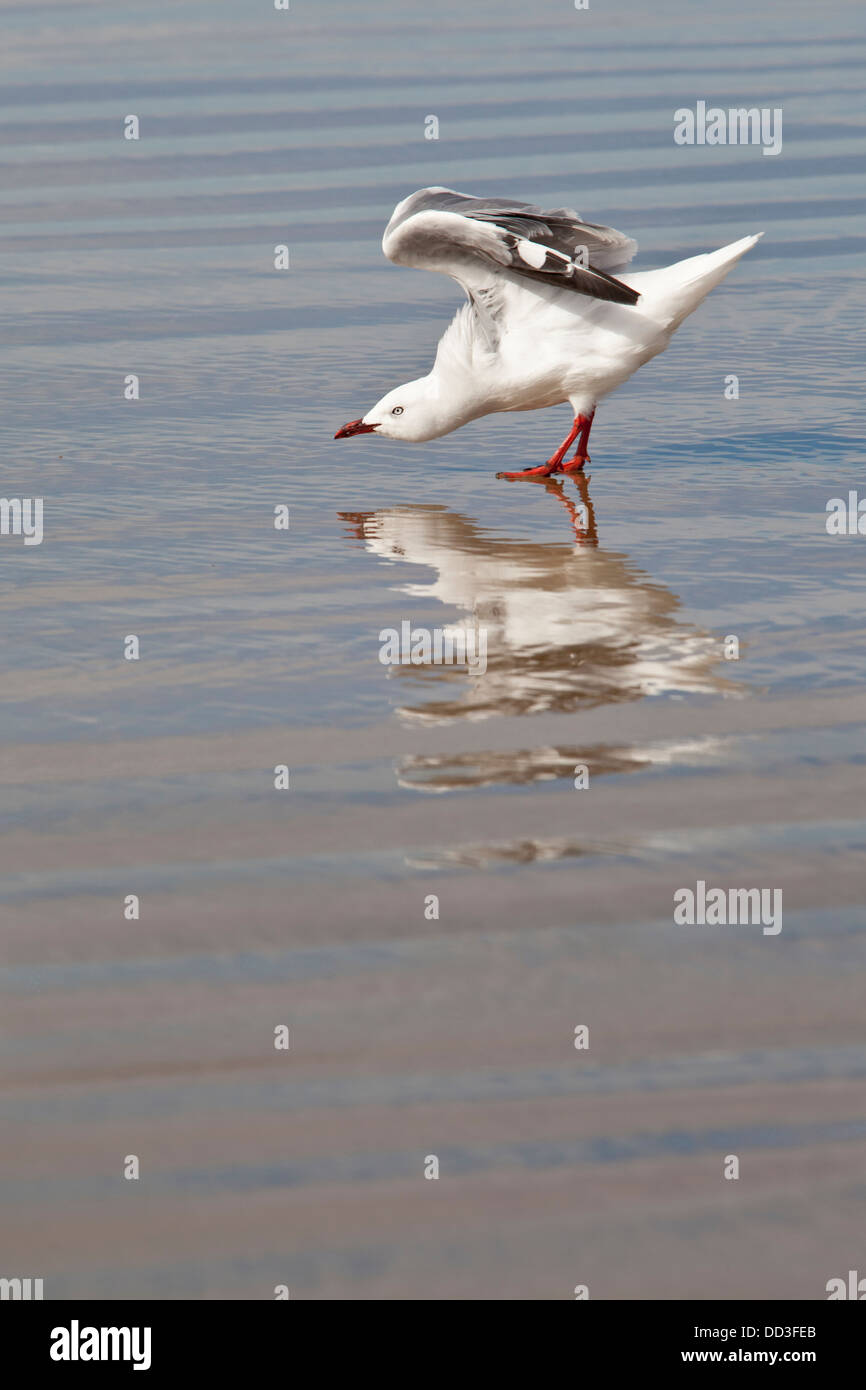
(550, 316)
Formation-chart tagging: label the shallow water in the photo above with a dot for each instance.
(606, 604)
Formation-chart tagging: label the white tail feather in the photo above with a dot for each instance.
(676, 291)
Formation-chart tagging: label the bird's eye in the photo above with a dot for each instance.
(398, 410)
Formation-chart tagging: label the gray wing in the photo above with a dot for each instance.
(473, 238)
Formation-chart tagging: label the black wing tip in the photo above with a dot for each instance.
(594, 284)
(602, 286)
(614, 294)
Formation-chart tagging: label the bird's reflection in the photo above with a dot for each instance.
(569, 626)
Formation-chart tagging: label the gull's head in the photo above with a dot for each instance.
(413, 412)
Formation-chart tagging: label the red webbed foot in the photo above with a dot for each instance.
(532, 475)
(575, 464)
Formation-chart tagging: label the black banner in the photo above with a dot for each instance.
(211, 1338)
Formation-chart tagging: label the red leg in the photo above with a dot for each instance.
(581, 457)
(554, 463)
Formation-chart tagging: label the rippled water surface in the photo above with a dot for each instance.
(606, 603)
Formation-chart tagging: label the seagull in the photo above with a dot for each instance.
(550, 317)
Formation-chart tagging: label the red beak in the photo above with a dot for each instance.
(354, 427)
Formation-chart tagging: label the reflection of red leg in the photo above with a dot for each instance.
(581, 456)
(582, 518)
(554, 463)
